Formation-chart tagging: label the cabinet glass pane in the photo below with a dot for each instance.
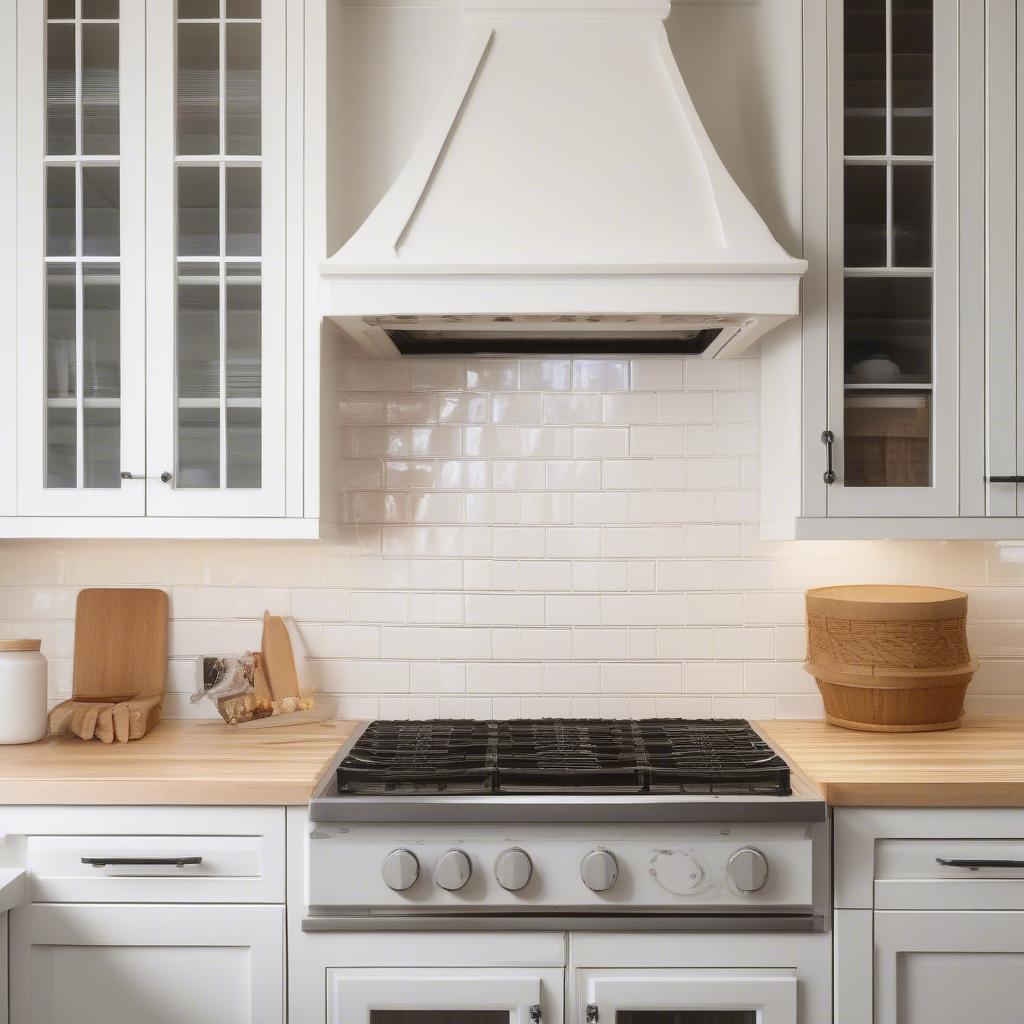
(198, 98)
(60, 9)
(864, 77)
(99, 8)
(101, 220)
(198, 447)
(61, 362)
(243, 211)
(865, 216)
(101, 332)
(243, 8)
(100, 123)
(888, 330)
(198, 211)
(244, 447)
(242, 90)
(686, 1017)
(61, 446)
(912, 215)
(60, 89)
(912, 77)
(198, 8)
(439, 1017)
(243, 349)
(199, 333)
(101, 444)
(888, 439)
(60, 211)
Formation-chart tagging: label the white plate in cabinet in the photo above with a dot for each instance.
(173, 869)
(173, 964)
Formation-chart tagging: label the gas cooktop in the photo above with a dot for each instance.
(552, 756)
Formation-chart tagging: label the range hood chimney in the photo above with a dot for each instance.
(566, 198)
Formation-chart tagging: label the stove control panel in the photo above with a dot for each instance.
(569, 868)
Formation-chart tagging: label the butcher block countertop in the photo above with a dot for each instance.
(981, 764)
(179, 762)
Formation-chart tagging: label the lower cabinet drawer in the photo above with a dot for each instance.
(237, 856)
(949, 874)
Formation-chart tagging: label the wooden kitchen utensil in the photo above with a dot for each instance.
(279, 664)
(889, 658)
(120, 665)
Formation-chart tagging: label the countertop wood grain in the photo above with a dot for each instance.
(981, 764)
(180, 762)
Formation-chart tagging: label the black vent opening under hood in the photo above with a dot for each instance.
(521, 343)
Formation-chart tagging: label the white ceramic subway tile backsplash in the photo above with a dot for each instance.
(531, 537)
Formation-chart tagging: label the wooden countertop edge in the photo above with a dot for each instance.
(997, 781)
(154, 793)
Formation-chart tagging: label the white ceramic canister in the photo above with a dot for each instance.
(22, 691)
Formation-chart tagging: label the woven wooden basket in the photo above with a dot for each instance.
(889, 658)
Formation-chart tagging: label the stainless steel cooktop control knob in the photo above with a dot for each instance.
(513, 869)
(452, 870)
(599, 869)
(400, 870)
(747, 870)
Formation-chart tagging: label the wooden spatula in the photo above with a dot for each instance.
(120, 665)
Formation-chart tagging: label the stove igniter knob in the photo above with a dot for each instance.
(599, 869)
(513, 869)
(452, 870)
(400, 870)
(747, 870)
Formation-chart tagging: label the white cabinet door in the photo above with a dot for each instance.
(948, 967)
(81, 257)
(704, 996)
(893, 279)
(216, 337)
(110, 964)
(416, 995)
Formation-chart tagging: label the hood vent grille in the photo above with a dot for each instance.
(516, 343)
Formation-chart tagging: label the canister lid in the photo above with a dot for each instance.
(20, 645)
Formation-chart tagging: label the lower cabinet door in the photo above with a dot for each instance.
(949, 967)
(427, 995)
(695, 996)
(120, 964)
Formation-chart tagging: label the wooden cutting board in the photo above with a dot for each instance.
(120, 644)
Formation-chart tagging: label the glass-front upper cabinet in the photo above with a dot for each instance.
(216, 166)
(892, 152)
(81, 257)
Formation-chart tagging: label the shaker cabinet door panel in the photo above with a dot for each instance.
(947, 967)
(216, 155)
(81, 259)
(99, 964)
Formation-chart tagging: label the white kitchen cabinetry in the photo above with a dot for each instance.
(909, 226)
(170, 914)
(929, 921)
(97, 964)
(154, 332)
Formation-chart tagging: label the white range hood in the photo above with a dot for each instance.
(566, 198)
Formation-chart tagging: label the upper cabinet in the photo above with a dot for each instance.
(898, 427)
(892, 246)
(155, 339)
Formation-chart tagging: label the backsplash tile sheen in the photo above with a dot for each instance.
(530, 537)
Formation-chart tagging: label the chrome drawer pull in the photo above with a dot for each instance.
(975, 865)
(109, 862)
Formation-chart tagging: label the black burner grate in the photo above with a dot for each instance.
(552, 755)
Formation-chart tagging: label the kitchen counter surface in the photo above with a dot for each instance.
(180, 762)
(981, 764)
